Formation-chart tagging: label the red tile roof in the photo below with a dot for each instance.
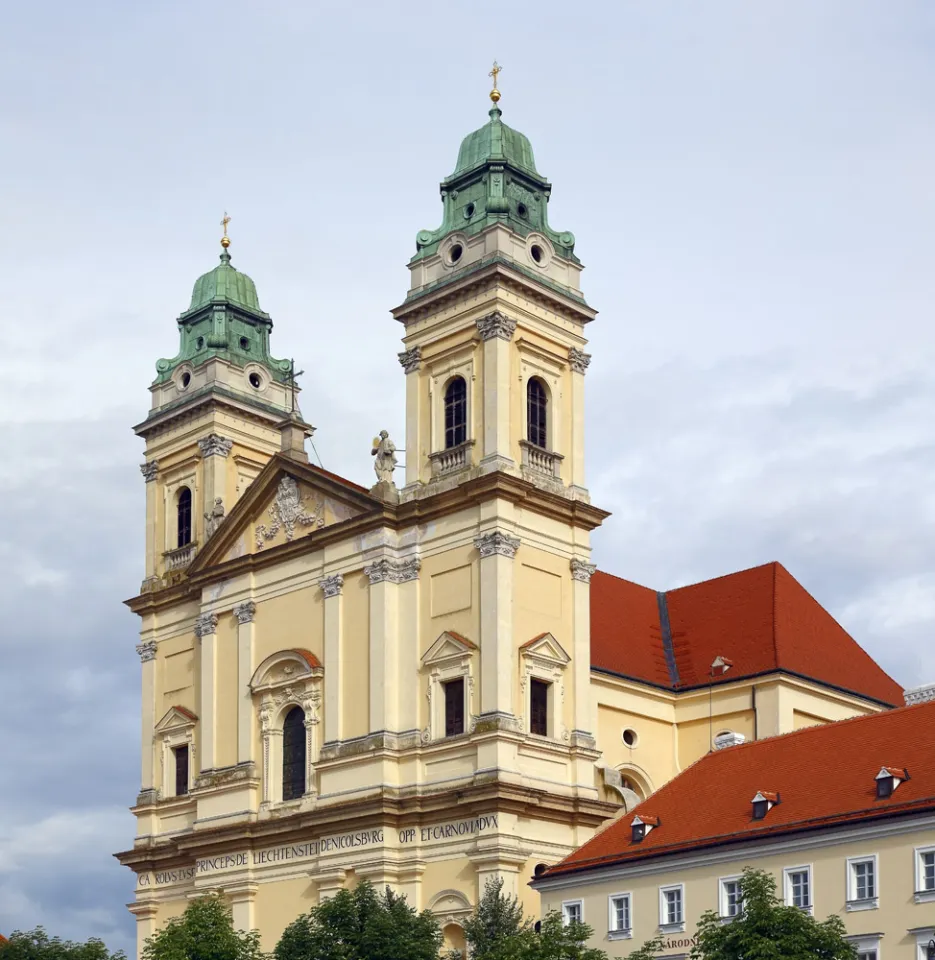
(762, 620)
(709, 803)
(308, 657)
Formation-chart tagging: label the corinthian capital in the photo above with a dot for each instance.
(149, 470)
(214, 446)
(579, 360)
(582, 571)
(206, 624)
(245, 612)
(489, 544)
(332, 586)
(410, 359)
(147, 651)
(496, 325)
(393, 571)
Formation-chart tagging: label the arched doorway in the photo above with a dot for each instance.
(454, 939)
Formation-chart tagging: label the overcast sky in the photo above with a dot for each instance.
(751, 188)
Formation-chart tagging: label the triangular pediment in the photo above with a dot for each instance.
(287, 501)
(546, 647)
(177, 718)
(449, 646)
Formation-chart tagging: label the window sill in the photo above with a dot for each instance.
(871, 903)
(672, 927)
(620, 934)
(724, 920)
(924, 896)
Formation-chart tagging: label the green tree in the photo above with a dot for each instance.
(205, 931)
(768, 929)
(361, 924)
(38, 945)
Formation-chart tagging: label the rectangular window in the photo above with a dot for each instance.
(862, 884)
(925, 874)
(799, 887)
(539, 707)
(181, 770)
(671, 909)
(618, 915)
(454, 707)
(573, 911)
(867, 948)
(731, 899)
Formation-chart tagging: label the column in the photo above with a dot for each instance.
(333, 587)
(214, 451)
(578, 361)
(245, 613)
(411, 361)
(147, 653)
(497, 331)
(385, 575)
(150, 470)
(498, 673)
(206, 630)
(409, 662)
(581, 574)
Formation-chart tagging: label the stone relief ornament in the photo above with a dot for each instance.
(496, 325)
(489, 544)
(149, 470)
(384, 453)
(393, 571)
(214, 518)
(582, 571)
(147, 651)
(245, 612)
(332, 586)
(410, 359)
(212, 445)
(287, 510)
(206, 624)
(579, 360)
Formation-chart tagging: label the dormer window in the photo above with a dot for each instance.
(641, 825)
(888, 779)
(763, 802)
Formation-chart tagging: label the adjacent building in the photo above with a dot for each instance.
(424, 682)
(843, 816)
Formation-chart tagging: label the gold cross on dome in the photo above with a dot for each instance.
(225, 220)
(495, 93)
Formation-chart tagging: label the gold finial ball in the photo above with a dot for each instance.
(225, 242)
(495, 94)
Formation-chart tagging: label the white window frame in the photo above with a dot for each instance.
(441, 378)
(722, 897)
(450, 657)
(667, 926)
(614, 932)
(566, 904)
(545, 659)
(921, 895)
(866, 943)
(787, 886)
(922, 935)
(175, 729)
(851, 902)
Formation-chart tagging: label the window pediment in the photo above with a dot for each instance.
(447, 648)
(547, 649)
(285, 667)
(177, 719)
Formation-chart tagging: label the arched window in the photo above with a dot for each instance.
(455, 413)
(536, 413)
(184, 515)
(293, 754)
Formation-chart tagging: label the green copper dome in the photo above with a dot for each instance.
(495, 141)
(225, 282)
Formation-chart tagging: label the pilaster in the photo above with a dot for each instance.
(497, 550)
(206, 630)
(578, 361)
(333, 589)
(147, 914)
(150, 471)
(246, 734)
(496, 330)
(411, 362)
(581, 574)
(147, 653)
(243, 898)
(214, 451)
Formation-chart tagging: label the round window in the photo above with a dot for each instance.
(469, 211)
(454, 254)
(244, 344)
(535, 251)
(186, 379)
(630, 738)
(521, 210)
(255, 381)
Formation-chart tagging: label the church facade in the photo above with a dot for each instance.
(424, 683)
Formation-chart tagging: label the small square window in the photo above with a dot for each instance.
(731, 899)
(181, 770)
(619, 923)
(862, 885)
(798, 883)
(671, 906)
(573, 912)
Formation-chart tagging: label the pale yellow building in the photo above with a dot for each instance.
(424, 683)
(842, 815)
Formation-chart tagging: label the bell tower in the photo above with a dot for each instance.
(221, 407)
(494, 327)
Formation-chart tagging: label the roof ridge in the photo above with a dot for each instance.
(613, 576)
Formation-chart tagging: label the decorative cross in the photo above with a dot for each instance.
(494, 73)
(225, 221)
(293, 374)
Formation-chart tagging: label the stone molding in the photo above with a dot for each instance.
(214, 445)
(496, 325)
(206, 624)
(245, 612)
(489, 544)
(149, 470)
(410, 360)
(332, 586)
(146, 651)
(393, 571)
(919, 694)
(579, 360)
(582, 571)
